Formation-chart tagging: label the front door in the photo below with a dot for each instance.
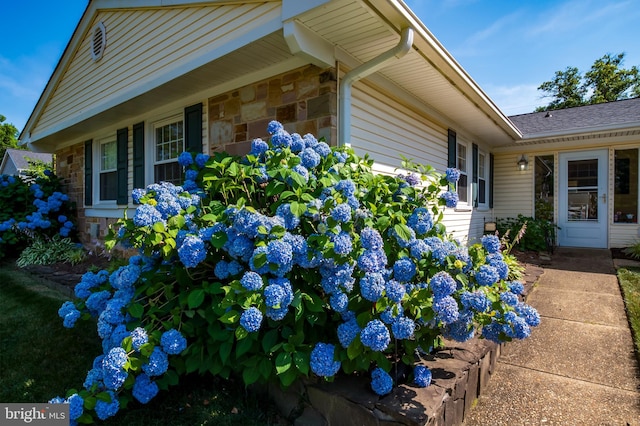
(582, 204)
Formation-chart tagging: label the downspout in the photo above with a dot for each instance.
(361, 71)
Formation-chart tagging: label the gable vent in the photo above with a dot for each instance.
(98, 41)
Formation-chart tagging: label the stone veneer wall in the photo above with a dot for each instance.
(303, 100)
(70, 170)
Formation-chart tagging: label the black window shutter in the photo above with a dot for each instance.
(193, 128)
(490, 181)
(474, 160)
(138, 155)
(88, 173)
(452, 148)
(123, 166)
(474, 173)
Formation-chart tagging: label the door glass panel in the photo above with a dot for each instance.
(544, 169)
(582, 190)
(625, 205)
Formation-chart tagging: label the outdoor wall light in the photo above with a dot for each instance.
(523, 164)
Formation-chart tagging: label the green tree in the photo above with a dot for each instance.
(8, 136)
(606, 81)
(609, 81)
(565, 89)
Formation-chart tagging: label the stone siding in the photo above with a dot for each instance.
(303, 100)
(70, 170)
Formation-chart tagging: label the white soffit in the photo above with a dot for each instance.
(358, 31)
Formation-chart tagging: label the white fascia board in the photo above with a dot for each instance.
(137, 4)
(584, 131)
(294, 8)
(563, 145)
(304, 42)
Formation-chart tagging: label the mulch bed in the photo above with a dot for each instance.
(64, 276)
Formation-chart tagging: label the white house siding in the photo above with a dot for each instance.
(135, 59)
(513, 189)
(386, 129)
(623, 235)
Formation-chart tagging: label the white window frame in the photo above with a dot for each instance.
(97, 167)
(151, 145)
(463, 171)
(483, 174)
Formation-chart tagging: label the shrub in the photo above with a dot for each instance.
(293, 261)
(37, 208)
(540, 234)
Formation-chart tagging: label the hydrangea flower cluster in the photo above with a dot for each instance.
(47, 213)
(295, 259)
(381, 381)
(107, 297)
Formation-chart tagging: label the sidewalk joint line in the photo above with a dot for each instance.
(620, 327)
(569, 377)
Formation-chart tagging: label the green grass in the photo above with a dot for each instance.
(630, 283)
(40, 359)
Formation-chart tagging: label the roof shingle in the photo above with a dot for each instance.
(21, 157)
(579, 118)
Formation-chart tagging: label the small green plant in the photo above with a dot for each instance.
(45, 251)
(633, 251)
(516, 270)
(540, 234)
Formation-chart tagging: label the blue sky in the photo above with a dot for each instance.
(508, 47)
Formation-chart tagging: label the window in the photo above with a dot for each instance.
(461, 164)
(475, 185)
(625, 201)
(544, 167)
(168, 144)
(482, 179)
(108, 169)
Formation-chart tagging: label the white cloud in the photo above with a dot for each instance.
(576, 14)
(22, 80)
(517, 99)
(479, 42)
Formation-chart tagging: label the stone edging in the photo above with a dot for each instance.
(460, 372)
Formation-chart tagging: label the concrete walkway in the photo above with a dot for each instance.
(578, 367)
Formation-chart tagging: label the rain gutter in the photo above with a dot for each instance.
(361, 71)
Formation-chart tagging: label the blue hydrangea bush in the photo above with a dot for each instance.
(31, 209)
(294, 261)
